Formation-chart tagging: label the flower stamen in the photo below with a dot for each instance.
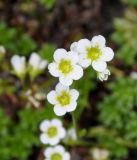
(64, 98)
(93, 53)
(56, 156)
(65, 66)
(52, 132)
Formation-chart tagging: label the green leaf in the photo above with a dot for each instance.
(49, 4)
(125, 36)
(15, 40)
(47, 51)
(26, 45)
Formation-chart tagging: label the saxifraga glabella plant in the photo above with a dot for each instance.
(69, 66)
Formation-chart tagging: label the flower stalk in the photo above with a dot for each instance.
(75, 124)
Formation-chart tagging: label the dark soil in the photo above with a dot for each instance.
(68, 21)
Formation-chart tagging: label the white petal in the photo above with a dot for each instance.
(106, 71)
(53, 69)
(77, 72)
(74, 93)
(71, 107)
(23, 61)
(2, 50)
(18, 63)
(73, 56)
(59, 111)
(103, 76)
(43, 64)
(60, 87)
(48, 152)
(44, 125)
(83, 61)
(62, 133)
(99, 66)
(14, 60)
(59, 54)
(51, 97)
(99, 41)
(108, 54)
(44, 138)
(56, 122)
(34, 60)
(82, 45)
(71, 133)
(134, 75)
(53, 141)
(66, 156)
(73, 46)
(65, 80)
(59, 149)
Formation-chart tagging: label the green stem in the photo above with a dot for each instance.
(74, 124)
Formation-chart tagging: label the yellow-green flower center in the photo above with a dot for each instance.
(56, 156)
(93, 53)
(52, 131)
(65, 66)
(64, 98)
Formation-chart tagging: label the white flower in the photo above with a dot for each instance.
(37, 64)
(93, 53)
(73, 47)
(103, 76)
(52, 131)
(19, 65)
(65, 67)
(100, 154)
(2, 50)
(63, 99)
(56, 153)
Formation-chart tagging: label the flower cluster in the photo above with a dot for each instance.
(52, 132)
(35, 65)
(69, 66)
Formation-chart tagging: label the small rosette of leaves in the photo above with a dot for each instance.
(126, 36)
(117, 112)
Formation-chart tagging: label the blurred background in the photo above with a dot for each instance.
(108, 110)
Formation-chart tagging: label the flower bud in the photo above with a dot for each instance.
(19, 65)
